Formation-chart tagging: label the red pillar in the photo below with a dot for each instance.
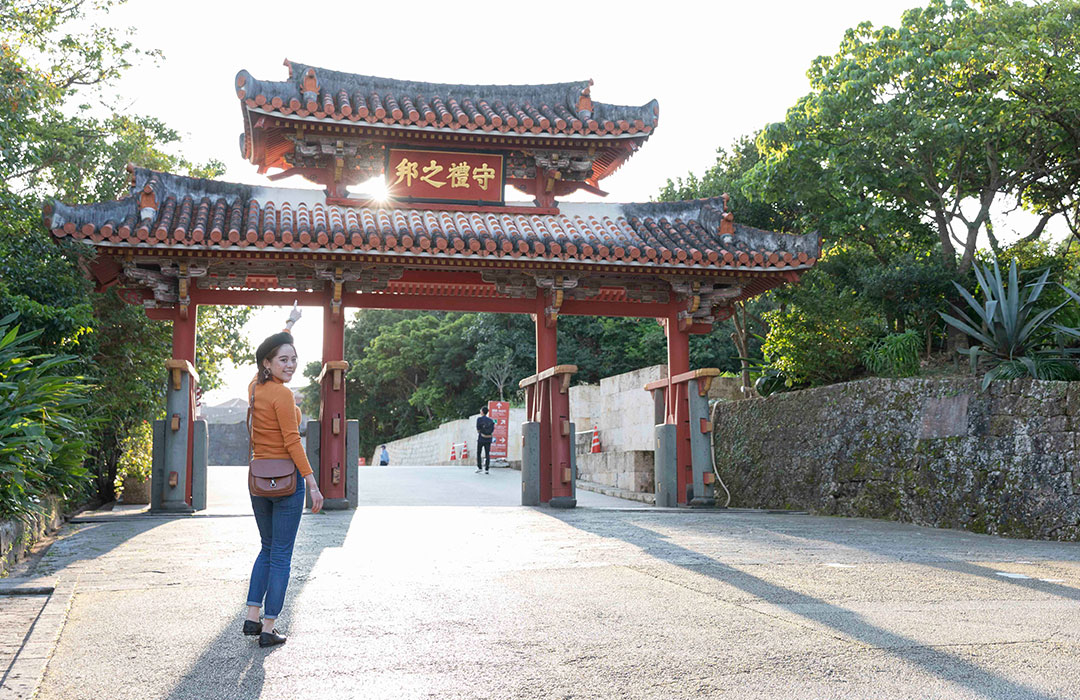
(183, 348)
(332, 407)
(546, 356)
(678, 402)
(183, 335)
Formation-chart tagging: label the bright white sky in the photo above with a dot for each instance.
(719, 69)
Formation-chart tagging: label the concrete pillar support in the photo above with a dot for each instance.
(176, 473)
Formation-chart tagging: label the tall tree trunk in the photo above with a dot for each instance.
(740, 339)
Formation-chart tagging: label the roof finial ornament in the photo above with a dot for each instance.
(311, 89)
(725, 197)
(584, 104)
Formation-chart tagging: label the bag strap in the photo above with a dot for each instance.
(250, 419)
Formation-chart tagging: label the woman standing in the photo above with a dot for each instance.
(275, 435)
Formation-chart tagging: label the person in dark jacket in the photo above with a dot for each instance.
(485, 429)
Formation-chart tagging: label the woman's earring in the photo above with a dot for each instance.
(266, 372)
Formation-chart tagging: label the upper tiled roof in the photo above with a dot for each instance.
(562, 109)
(187, 213)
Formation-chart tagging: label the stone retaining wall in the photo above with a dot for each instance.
(18, 536)
(933, 452)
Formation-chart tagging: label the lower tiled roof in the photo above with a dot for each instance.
(167, 210)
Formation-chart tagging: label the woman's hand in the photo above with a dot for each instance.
(294, 316)
(316, 494)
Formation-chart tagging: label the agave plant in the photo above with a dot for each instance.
(1009, 330)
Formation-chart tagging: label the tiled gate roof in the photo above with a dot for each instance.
(555, 109)
(167, 210)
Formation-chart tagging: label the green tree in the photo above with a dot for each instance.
(61, 136)
(954, 112)
(728, 175)
(504, 346)
(219, 339)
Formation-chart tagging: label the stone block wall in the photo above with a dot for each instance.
(630, 470)
(620, 407)
(932, 452)
(622, 411)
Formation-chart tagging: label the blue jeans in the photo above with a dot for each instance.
(278, 520)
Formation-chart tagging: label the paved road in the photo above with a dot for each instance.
(496, 601)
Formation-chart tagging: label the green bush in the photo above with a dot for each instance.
(818, 348)
(136, 455)
(895, 355)
(42, 445)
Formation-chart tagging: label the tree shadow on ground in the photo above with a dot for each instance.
(940, 548)
(934, 661)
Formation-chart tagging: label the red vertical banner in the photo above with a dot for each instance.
(499, 411)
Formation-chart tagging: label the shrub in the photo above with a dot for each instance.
(136, 455)
(815, 349)
(895, 355)
(42, 445)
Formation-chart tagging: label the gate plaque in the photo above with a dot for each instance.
(445, 176)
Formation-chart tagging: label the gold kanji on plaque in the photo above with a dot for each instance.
(407, 170)
(459, 175)
(482, 175)
(430, 171)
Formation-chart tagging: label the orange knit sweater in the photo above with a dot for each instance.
(275, 432)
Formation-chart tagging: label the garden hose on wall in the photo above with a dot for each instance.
(712, 454)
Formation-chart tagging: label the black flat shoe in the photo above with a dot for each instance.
(269, 639)
(252, 628)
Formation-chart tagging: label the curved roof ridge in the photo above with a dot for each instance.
(555, 108)
(298, 70)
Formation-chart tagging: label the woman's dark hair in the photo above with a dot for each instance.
(268, 347)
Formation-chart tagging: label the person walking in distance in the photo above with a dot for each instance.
(485, 428)
(275, 435)
(384, 456)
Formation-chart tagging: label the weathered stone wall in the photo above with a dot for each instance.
(933, 452)
(17, 537)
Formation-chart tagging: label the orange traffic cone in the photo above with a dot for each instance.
(464, 451)
(453, 452)
(595, 440)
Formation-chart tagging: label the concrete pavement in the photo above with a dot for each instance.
(484, 599)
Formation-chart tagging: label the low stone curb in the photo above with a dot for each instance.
(649, 498)
(27, 586)
(23, 676)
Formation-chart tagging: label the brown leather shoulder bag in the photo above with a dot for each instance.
(272, 478)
